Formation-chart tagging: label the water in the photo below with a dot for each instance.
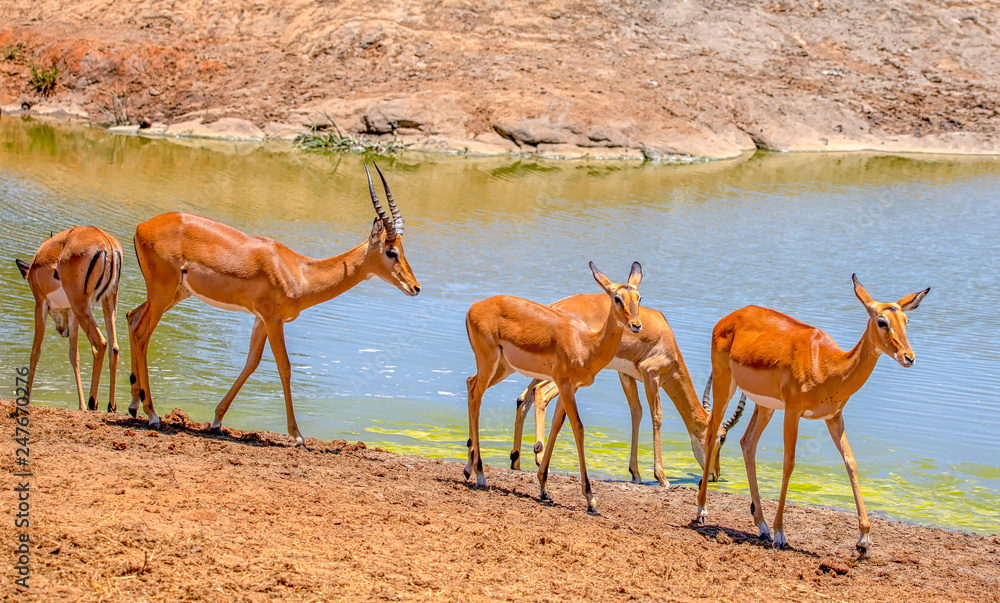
(785, 231)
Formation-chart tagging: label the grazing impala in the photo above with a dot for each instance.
(182, 255)
(650, 356)
(72, 271)
(783, 364)
(511, 334)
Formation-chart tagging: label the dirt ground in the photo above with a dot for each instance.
(553, 77)
(119, 512)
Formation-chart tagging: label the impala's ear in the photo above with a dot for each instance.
(910, 302)
(375, 238)
(23, 267)
(600, 278)
(863, 296)
(635, 277)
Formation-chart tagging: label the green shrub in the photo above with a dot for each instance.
(44, 81)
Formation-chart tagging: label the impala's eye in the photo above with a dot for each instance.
(391, 254)
(882, 322)
(618, 301)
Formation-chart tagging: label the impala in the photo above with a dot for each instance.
(72, 271)
(511, 334)
(650, 356)
(183, 255)
(783, 364)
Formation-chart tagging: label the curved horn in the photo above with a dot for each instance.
(708, 392)
(733, 420)
(390, 226)
(396, 216)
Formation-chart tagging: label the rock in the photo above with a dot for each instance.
(284, 131)
(561, 151)
(124, 129)
(684, 144)
(388, 116)
(613, 134)
(231, 128)
(535, 131)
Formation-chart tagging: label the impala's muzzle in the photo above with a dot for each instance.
(906, 359)
(635, 326)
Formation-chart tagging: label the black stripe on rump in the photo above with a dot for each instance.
(111, 276)
(90, 269)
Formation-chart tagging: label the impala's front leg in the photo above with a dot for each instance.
(631, 390)
(836, 427)
(276, 336)
(41, 314)
(568, 397)
(791, 438)
(652, 384)
(73, 329)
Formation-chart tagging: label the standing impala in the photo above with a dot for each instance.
(783, 364)
(650, 356)
(511, 334)
(72, 271)
(182, 255)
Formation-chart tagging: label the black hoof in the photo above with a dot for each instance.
(134, 412)
(110, 409)
(216, 430)
(545, 497)
(862, 550)
(593, 511)
(92, 403)
(467, 474)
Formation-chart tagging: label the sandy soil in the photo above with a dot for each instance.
(552, 77)
(121, 513)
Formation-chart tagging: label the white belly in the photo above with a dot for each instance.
(765, 401)
(210, 301)
(531, 374)
(57, 299)
(624, 366)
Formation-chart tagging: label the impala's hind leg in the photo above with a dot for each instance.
(524, 403)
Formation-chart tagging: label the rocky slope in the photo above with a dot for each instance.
(629, 78)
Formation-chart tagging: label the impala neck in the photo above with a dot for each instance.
(328, 278)
(609, 338)
(694, 415)
(858, 364)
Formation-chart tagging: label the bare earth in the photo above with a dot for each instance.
(628, 78)
(122, 513)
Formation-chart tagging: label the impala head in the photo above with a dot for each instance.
(385, 245)
(624, 298)
(887, 322)
(59, 316)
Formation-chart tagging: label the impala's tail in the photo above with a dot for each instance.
(731, 421)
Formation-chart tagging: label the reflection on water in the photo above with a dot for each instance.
(785, 231)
